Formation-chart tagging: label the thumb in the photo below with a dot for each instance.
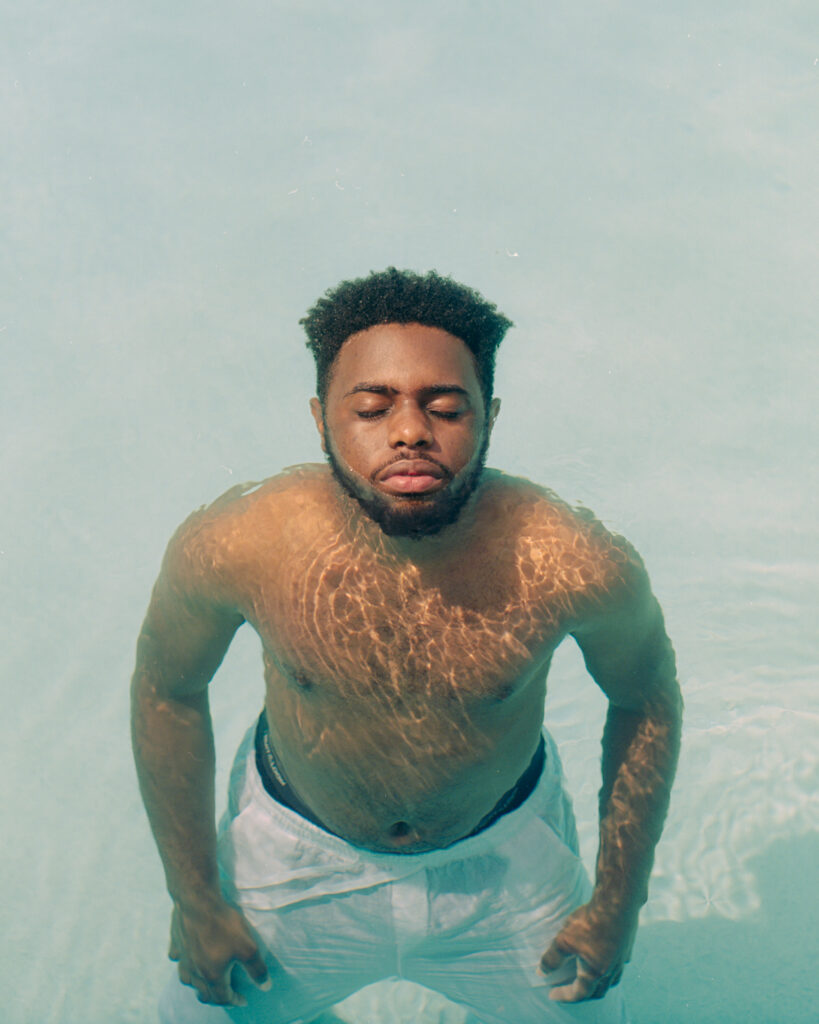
(553, 958)
(257, 969)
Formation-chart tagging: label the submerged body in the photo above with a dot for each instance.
(408, 603)
(403, 697)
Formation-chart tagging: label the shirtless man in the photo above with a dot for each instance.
(398, 810)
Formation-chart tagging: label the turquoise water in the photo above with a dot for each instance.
(634, 186)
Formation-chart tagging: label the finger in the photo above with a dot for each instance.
(202, 989)
(257, 969)
(577, 992)
(217, 994)
(234, 998)
(584, 986)
(222, 993)
(553, 958)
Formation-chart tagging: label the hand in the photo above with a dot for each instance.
(601, 945)
(206, 944)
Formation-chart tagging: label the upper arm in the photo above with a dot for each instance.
(190, 621)
(625, 646)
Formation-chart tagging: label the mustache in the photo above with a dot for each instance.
(446, 473)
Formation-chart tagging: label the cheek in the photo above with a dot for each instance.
(353, 446)
(466, 445)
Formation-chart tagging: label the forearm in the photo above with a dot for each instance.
(174, 755)
(640, 751)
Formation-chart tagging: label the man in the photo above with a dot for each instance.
(398, 811)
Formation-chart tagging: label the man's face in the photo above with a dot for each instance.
(404, 426)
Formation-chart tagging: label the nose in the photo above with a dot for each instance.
(409, 427)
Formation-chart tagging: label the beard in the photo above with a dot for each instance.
(412, 515)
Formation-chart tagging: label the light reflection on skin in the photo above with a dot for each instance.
(414, 632)
(419, 689)
(406, 674)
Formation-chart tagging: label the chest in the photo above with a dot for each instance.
(347, 621)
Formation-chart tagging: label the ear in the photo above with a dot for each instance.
(318, 416)
(494, 409)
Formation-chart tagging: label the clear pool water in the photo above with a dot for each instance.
(635, 185)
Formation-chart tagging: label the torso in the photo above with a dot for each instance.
(405, 696)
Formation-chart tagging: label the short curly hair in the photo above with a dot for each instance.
(402, 297)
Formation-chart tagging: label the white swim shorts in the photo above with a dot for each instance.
(470, 921)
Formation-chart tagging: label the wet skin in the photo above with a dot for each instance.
(403, 699)
(406, 675)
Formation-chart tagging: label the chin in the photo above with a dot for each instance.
(405, 515)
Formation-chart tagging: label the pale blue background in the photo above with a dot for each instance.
(634, 184)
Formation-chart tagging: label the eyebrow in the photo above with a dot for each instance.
(383, 389)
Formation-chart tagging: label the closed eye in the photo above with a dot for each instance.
(441, 414)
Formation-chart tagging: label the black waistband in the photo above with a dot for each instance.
(523, 788)
(277, 786)
(273, 778)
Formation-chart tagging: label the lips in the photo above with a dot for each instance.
(411, 476)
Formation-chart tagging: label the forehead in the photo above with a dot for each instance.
(404, 356)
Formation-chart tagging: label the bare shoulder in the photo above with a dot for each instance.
(567, 552)
(592, 583)
(220, 542)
